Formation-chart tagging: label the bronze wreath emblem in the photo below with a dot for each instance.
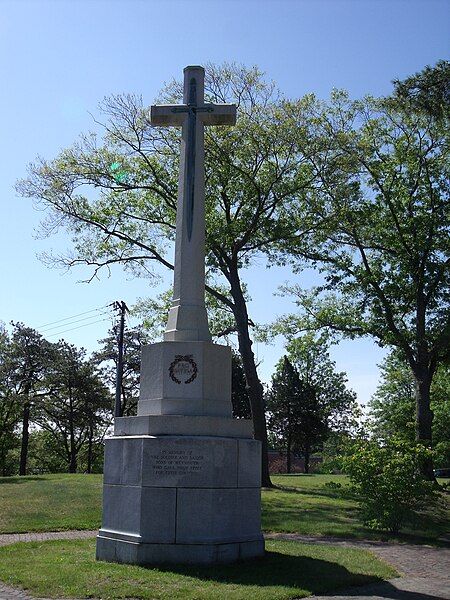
(188, 358)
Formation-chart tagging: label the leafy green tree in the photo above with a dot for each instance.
(379, 232)
(78, 409)
(295, 413)
(393, 406)
(44, 454)
(31, 356)
(282, 403)
(253, 171)
(10, 406)
(440, 404)
(427, 91)
(310, 355)
(107, 357)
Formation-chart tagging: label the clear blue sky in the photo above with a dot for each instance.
(59, 58)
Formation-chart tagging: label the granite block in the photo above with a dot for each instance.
(189, 462)
(183, 425)
(138, 514)
(132, 461)
(249, 463)
(251, 549)
(114, 550)
(218, 515)
(113, 465)
(158, 512)
(121, 508)
(185, 378)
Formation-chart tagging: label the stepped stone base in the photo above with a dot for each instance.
(137, 553)
(182, 480)
(183, 425)
(180, 498)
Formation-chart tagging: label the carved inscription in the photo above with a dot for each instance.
(183, 369)
(177, 462)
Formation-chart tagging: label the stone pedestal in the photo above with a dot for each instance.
(185, 378)
(182, 479)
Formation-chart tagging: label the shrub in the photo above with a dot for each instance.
(388, 483)
(442, 455)
(333, 486)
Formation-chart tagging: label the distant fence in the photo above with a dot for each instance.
(278, 463)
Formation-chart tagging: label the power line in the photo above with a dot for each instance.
(105, 312)
(79, 327)
(74, 316)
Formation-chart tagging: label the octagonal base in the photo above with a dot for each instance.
(186, 499)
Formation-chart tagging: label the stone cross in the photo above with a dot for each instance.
(187, 317)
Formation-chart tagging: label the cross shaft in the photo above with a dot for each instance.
(187, 317)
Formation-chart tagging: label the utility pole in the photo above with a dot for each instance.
(122, 307)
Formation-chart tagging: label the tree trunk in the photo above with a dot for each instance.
(73, 461)
(73, 452)
(424, 415)
(89, 456)
(3, 460)
(25, 438)
(306, 456)
(288, 457)
(254, 386)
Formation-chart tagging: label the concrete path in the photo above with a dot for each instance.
(11, 538)
(425, 570)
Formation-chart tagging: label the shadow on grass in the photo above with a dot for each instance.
(313, 575)
(298, 476)
(338, 494)
(283, 518)
(22, 479)
(278, 570)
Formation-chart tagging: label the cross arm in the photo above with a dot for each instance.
(164, 115)
(218, 114)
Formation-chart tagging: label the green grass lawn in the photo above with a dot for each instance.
(61, 569)
(300, 504)
(50, 502)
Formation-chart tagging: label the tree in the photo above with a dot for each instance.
(427, 91)
(310, 355)
(133, 340)
(78, 407)
(382, 242)
(295, 413)
(44, 454)
(283, 401)
(392, 406)
(117, 198)
(10, 407)
(440, 404)
(239, 394)
(30, 355)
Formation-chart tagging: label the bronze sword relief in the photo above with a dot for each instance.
(192, 109)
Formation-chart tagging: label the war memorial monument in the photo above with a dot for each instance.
(182, 478)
